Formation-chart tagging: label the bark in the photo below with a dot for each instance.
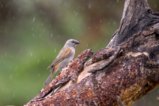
(121, 73)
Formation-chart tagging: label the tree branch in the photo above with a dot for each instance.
(119, 74)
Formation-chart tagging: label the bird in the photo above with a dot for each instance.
(65, 55)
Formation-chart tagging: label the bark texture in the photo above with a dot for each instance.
(118, 75)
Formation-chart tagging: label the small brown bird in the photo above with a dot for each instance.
(65, 55)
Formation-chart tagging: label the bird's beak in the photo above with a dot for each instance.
(76, 42)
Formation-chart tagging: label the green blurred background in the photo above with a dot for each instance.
(33, 31)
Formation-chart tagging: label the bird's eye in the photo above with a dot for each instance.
(75, 42)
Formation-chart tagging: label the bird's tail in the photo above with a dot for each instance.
(48, 80)
(53, 72)
(51, 77)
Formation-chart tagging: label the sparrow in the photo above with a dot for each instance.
(65, 55)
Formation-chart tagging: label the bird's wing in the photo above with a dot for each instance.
(64, 53)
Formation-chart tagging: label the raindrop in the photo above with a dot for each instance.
(31, 54)
(34, 19)
(51, 35)
(55, 50)
(89, 5)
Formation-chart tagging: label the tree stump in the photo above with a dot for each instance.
(117, 75)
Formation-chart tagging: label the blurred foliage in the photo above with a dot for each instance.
(33, 31)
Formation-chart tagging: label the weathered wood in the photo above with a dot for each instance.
(121, 73)
(137, 16)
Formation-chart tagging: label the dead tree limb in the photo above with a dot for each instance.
(121, 73)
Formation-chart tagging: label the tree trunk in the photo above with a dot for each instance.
(118, 75)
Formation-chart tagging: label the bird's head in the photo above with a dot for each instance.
(72, 42)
